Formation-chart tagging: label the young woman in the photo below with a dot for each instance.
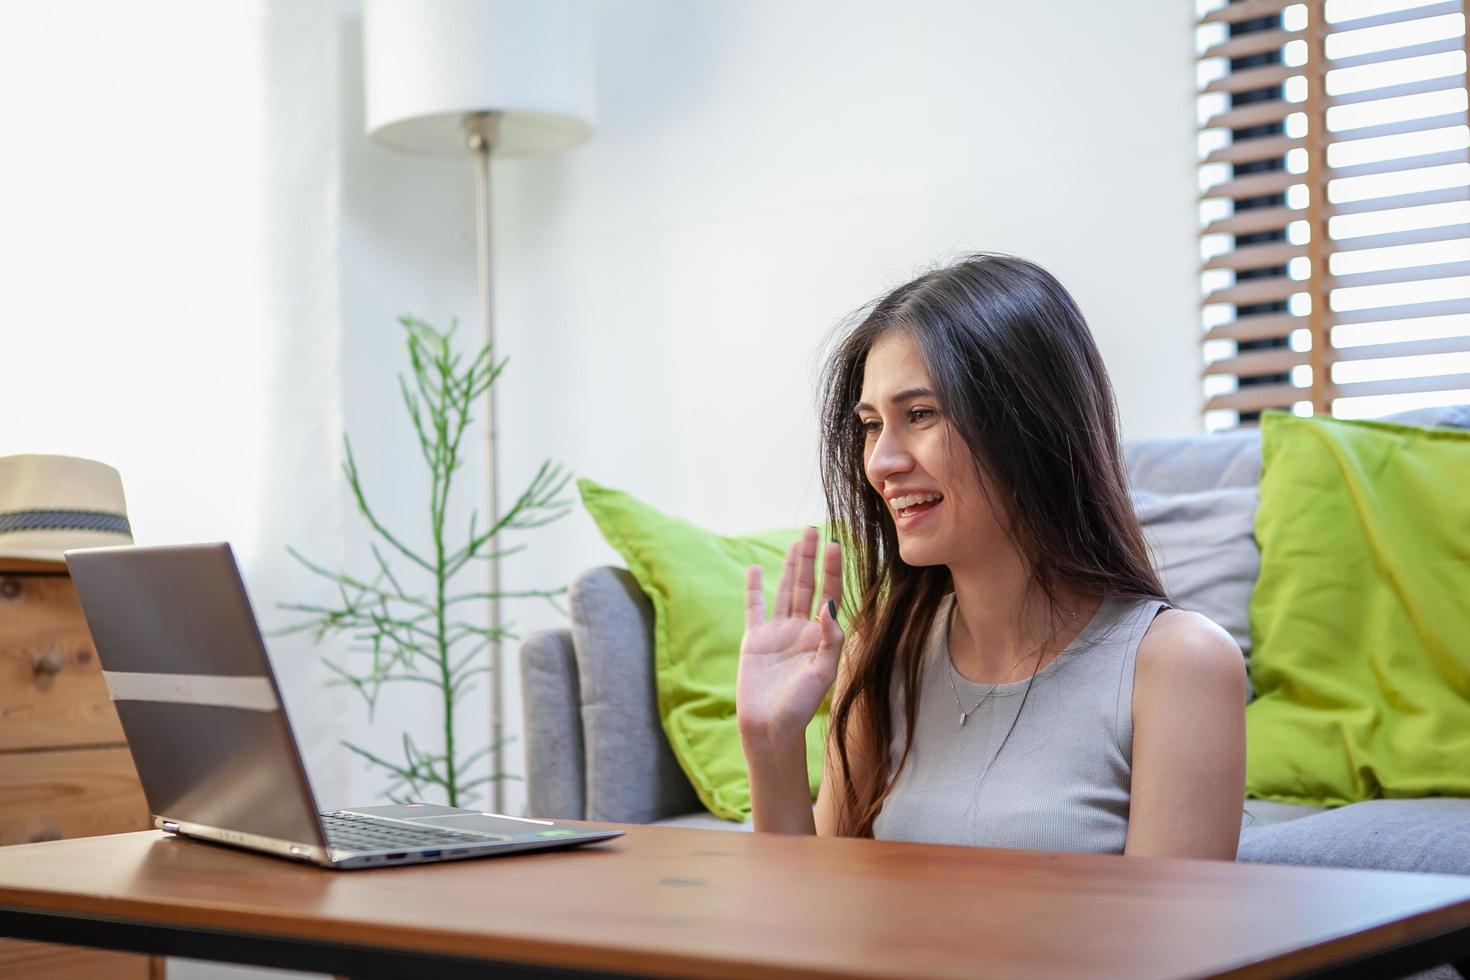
(1015, 675)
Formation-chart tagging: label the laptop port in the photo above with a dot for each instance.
(431, 854)
(399, 856)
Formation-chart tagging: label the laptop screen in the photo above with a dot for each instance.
(188, 672)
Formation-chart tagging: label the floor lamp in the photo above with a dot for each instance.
(508, 77)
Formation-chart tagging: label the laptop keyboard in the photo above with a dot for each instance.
(355, 833)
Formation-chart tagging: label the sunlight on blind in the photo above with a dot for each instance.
(1393, 176)
(1445, 109)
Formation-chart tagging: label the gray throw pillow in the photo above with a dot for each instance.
(1203, 546)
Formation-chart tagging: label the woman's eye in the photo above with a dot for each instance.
(871, 426)
(920, 414)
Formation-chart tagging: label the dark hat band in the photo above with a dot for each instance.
(64, 520)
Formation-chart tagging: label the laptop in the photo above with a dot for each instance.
(188, 672)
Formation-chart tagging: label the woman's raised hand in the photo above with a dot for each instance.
(788, 662)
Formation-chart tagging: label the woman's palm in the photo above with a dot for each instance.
(788, 662)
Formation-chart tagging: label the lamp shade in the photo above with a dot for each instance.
(429, 63)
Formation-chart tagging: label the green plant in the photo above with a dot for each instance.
(409, 621)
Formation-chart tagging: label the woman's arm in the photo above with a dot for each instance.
(787, 664)
(778, 774)
(1189, 692)
(780, 796)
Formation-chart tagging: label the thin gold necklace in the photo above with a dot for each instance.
(949, 662)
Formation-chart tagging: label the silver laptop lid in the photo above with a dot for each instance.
(188, 673)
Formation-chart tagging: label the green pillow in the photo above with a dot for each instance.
(696, 582)
(1361, 614)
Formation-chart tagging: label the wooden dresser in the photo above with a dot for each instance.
(65, 770)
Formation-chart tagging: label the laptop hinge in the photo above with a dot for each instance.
(169, 827)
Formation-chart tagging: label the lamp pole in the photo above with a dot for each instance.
(508, 77)
(482, 129)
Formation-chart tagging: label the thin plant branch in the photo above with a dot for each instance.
(403, 621)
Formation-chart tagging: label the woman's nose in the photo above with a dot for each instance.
(887, 458)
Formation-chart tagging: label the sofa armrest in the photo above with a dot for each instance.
(552, 704)
(632, 775)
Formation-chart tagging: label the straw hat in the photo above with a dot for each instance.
(51, 503)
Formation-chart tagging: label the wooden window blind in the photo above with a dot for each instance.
(1334, 206)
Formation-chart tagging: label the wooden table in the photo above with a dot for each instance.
(667, 901)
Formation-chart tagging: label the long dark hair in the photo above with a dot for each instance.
(1021, 381)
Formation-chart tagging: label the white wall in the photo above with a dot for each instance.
(203, 257)
(157, 319)
(760, 168)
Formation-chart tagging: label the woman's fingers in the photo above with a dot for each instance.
(755, 598)
(806, 574)
(832, 574)
(783, 590)
(830, 647)
(798, 581)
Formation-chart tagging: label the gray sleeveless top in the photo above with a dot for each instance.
(1061, 781)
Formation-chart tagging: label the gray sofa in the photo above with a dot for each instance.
(595, 749)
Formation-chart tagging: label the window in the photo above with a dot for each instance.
(1335, 207)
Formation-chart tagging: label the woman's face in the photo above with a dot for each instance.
(917, 462)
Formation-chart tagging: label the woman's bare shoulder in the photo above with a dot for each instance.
(1186, 647)
(1188, 776)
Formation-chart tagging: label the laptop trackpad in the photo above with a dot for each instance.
(482, 823)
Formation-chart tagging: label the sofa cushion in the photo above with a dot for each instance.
(1453, 416)
(1203, 545)
(1431, 834)
(704, 820)
(1263, 813)
(1361, 673)
(1187, 464)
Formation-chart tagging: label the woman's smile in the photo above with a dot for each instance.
(911, 509)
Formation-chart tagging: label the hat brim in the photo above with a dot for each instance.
(50, 546)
